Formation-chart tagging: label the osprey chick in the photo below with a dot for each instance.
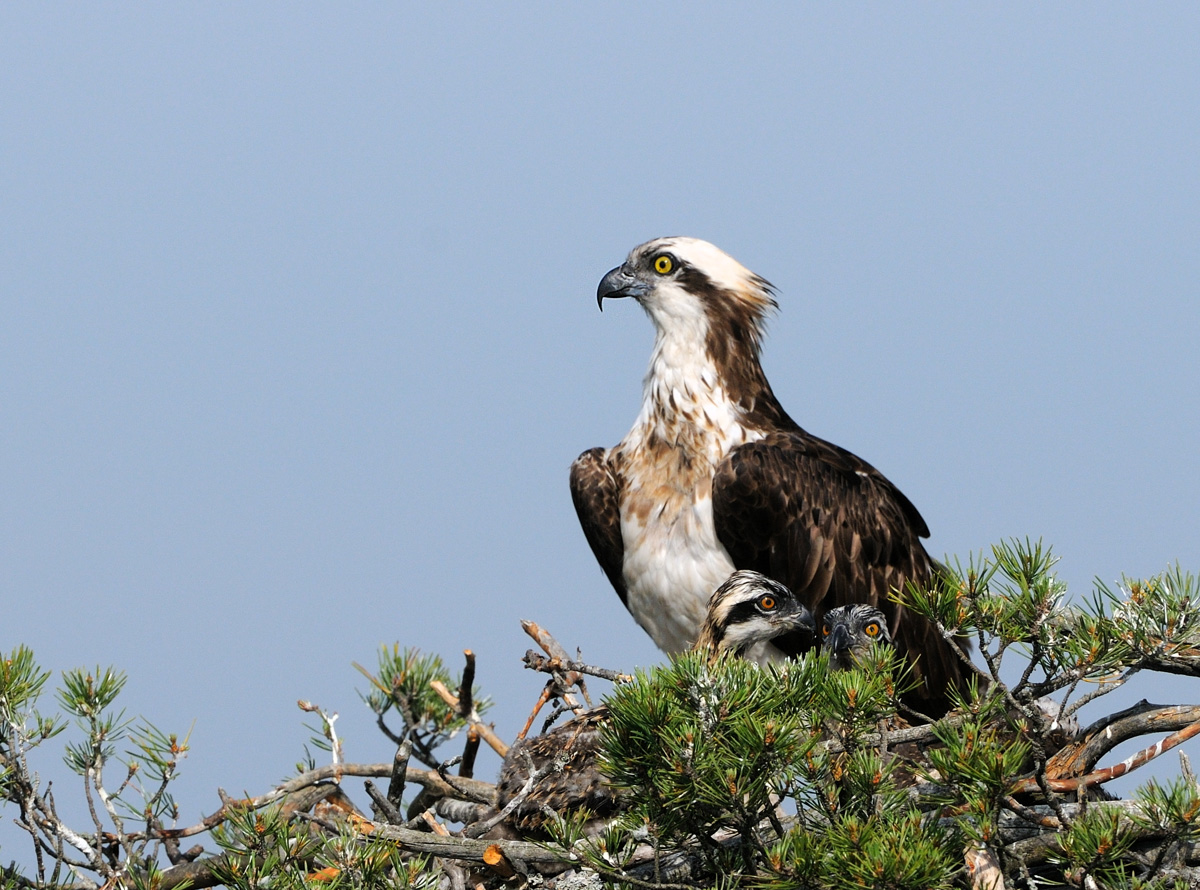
(746, 613)
(848, 632)
(715, 476)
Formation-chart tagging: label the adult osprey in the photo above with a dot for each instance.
(715, 476)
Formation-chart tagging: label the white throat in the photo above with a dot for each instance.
(682, 395)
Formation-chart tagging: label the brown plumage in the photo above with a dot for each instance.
(715, 476)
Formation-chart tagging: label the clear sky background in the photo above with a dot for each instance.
(299, 331)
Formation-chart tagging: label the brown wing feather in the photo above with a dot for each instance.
(836, 531)
(595, 490)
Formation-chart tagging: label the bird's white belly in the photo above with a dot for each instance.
(673, 560)
(673, 563)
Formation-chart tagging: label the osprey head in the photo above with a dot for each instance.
(677, 280)
(848, 632)
(748, 611)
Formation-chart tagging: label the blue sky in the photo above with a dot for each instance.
(300, 334)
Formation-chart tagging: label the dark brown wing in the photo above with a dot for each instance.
(596, 491)
(836, 531)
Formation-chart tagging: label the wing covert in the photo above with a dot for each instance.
(817, 518)
(832, 528)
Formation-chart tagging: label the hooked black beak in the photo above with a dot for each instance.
(838, 640)
(619, 282)
(803, 620)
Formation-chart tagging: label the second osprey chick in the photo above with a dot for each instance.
(848, 632)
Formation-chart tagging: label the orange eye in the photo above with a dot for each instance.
(767, 603)
(872, 629)
(663, 264)
(825, 630)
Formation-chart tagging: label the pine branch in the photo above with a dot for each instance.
(470, 789)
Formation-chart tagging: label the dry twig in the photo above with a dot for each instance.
(485, 732)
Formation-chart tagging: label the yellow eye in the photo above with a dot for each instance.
(663, 264)
(872, 629)
(767, 603)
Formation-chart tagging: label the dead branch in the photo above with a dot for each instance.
(469, 789)
(555, 650)
(466, 768)
(494, 858)
(1099, 777)
(460, 811)
(466, 710)
(1108, 732)
(1032, 845)
(485, 732)
(467, 849)
(545, 665)
(200, 873)
(1189, 668)
(384, 808)
(395, 792)
(434, 825)
(538, 705)
(983, 868)
(562, 675)
(466, 704)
